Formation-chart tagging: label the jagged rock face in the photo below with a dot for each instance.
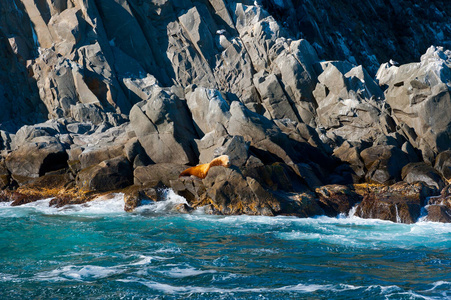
(370, 33)
(419, 95)
(153, 86)
(92, 60)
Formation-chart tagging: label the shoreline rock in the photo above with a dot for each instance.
(98, 107)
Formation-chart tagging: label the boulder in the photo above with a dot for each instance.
(213, 145)
(95, 155)
(438, 213)
(165, 129)
(443, 164)
(157, 174)
(400, 203)
(134, 196)
(349, 153)
(384, 164)
(420, 98)
(111, 174)
(422, 172)
(348, 103)
(280, 177)
(336, 199)
(229, 192)
(31, 160)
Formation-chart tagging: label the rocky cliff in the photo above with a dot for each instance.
(113, 94)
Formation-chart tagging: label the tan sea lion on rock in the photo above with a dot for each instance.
(201, 171)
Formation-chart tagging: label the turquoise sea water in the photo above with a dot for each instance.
(97, 251)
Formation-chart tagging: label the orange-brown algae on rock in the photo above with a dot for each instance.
(365, 188)
(201, 171)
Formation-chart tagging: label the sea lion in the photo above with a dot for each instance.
(201, 171)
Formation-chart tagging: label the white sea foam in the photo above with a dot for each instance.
(300, 288)
(78, 273)
(440, 284)
(168, 205)
(108, 204)
(8, 278)
(178, 272)
(145, 260)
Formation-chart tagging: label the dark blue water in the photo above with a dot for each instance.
(97, 251)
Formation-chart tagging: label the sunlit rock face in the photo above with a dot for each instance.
(298, 94)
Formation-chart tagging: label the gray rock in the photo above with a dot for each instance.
(422, 172)
(349, 103)
(443, 164)
(164, 129)
(235, 147)
(384, 164)
(157, 174)
(36, 158)
(419, 95)
(208, 108)
(111, 174)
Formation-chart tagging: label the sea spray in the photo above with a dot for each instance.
(99, 249)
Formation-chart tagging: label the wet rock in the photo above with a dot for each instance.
(21, 199)
(337, 199)
(63, 200)
(183, 208)
(228, 192)
(5, 176)
(422, 172)
(439, 208)
(111, 174)
(401, 202)
(134, 196)
(438, 213)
